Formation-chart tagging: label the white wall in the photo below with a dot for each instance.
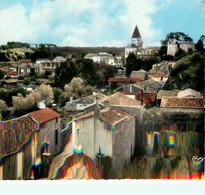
(90, 139)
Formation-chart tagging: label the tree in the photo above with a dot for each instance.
(78, 88)
(44, 92)
(87, 71)
(131, 63)
(41, 52)
(176, 36)
(173, 36)
(26, 82)
(199, 46)
(3, 109)
(64, 73)
(104, 72)
(3, 106)
(57, 92)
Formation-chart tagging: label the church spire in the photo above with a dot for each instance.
(136, 33)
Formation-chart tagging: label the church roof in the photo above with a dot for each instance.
(136, 33)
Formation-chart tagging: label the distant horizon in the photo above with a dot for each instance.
(104, 23)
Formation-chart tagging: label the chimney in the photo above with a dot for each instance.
(107, 104)
(71, 99)
(97, 108)
(145, 87)
(142, 97)
(130, 88)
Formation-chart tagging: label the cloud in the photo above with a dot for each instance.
(79, 23)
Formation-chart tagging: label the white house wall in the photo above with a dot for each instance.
(86, 135)
(103, 138)
(47, 134)
(20, 165)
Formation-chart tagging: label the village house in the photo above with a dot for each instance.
(38, 69)
(130, 105)
(157, 77)
(101, 57)
(49, 122)
(187, 105)
(119, 61)
(146, 98)
(142, 74)
(47, 65)
(12, 74)
(93, 56)
(121, 81)
(110, 131)
(150, 85)
(9, 83)
(189, 93)
(132, 88)
(83, 103)
(163, 67)
(166, 93)
(27, 143)
(25, 66)
(17, 148)
(59, 59)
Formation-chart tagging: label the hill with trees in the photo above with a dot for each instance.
(188, 72)
(85, 50)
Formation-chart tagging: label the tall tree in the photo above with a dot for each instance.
(176, 36)
(64, 73)
(199, 45)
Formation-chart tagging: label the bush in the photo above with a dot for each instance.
(33, 78)
(196, 58)
(21, 78)
(6, 114)
(26, 82)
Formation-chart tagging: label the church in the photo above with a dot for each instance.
(137, 47)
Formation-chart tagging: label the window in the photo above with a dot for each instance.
(22, 70)
(28, 70)
(56, 137)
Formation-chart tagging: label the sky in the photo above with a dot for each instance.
(98, 22)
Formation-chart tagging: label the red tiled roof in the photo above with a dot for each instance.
(157, 75)
(25, 61)
(12, 73)
(124, 80)
(147, 97)
(121, 100)
(15, 133)
(44, 115)
(182, 102)
(110, 115)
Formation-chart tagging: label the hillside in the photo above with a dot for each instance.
(13, 54)
(71, 50)
(187, 73)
